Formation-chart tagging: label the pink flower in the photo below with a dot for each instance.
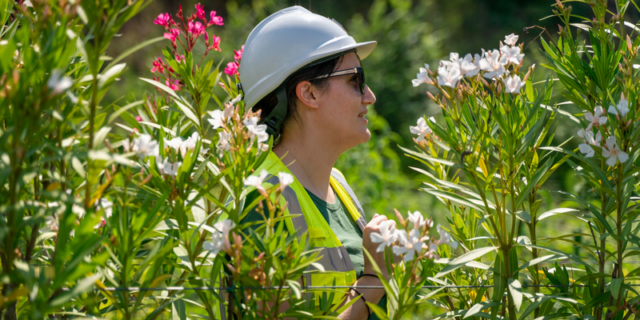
(138, 118)
(180, 57)
(215, 45)
(163, 19)
(170, 36)
(238, 54)
(232, 68)
(195, 28)
(173, 84)
(200, 11)
(158, 66)
(217, 20)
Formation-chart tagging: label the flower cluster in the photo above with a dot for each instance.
(410, 242)
(248, 128)
(190, 29)
(493, 64)
(166, 73)
(145, 146)
(232, 67)
(186, 33)
(590, 139)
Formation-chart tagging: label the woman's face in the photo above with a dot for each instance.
(342, 108)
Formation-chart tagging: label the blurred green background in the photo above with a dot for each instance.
(409, 34)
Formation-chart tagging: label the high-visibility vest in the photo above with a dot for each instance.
(339, 270)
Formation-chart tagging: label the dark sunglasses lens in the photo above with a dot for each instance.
(361, 80)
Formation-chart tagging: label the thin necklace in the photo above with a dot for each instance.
(305, 171)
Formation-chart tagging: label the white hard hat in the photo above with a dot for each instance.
(287, 41)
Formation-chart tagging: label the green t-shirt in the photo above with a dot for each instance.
(340, 221)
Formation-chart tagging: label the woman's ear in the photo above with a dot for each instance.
(308, 94)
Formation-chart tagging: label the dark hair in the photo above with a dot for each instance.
(311, 71)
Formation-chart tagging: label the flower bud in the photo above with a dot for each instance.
(560, 6)
(431, 96)
(399, 216)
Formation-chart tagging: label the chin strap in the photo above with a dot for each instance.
(276, 117)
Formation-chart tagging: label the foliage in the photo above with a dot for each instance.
(489, 156)
(99, 193)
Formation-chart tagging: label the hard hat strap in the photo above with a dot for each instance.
(276, 117)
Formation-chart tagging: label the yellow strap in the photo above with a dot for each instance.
(346, 199)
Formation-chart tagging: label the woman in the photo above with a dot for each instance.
(303, 72)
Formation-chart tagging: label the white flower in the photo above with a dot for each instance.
(595, 118)
(256, 181)
(448, 75)
(491, 64)
(256, 130)
(168, 168)
(417, 219)
(511, 55)
(217, 118)
(613, 153)
(422, 129)
(623, 106)
(224, 226)
(220, 239)
(224, 144)
(511, 39)
(285, 180)
(183, 146)
(454, 56)
(467, 67)
(387, 235)
(445, 238)
(513, 84)
(233, 102)
(588, 142)
(145, 146)
(422, 77)
(411, 245)
(58, 82)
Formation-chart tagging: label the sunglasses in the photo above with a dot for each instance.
(358, 70)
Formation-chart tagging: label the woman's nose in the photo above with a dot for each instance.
(368, 97)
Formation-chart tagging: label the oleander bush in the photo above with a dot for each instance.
(133, 209)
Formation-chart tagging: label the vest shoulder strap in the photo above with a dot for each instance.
(349, 198)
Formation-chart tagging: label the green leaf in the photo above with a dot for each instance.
(110, 75)
(479, 307)
(515, 288)
(81, 287)
(615, 286)
(464, 259)
(118, 112)
(553, 212)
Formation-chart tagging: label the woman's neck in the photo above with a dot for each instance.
(310, 159)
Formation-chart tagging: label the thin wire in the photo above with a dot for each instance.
(323, 288)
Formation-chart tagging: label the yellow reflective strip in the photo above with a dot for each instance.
(346, 199)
